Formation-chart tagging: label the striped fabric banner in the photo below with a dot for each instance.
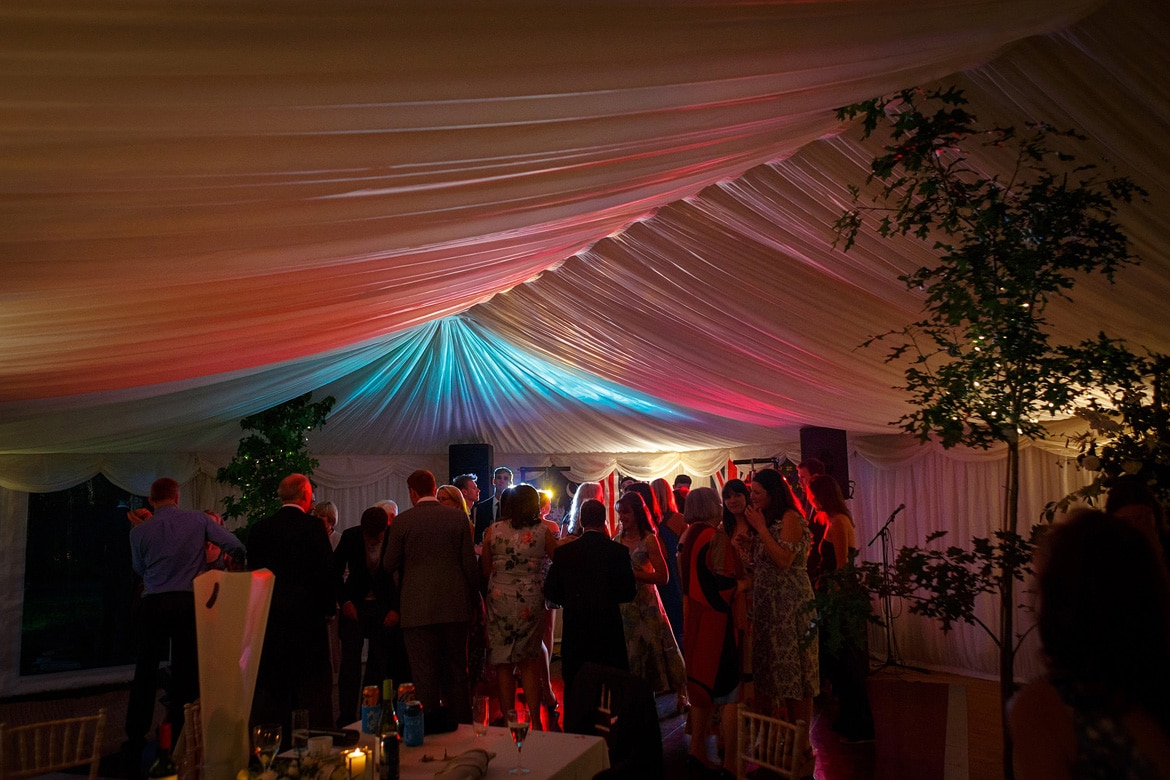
(609, 484)
(724, 474)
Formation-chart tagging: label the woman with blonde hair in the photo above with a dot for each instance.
(326, 512)
(451, 496)
(584, 492)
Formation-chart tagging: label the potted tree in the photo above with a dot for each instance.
(277, 445)
(982, 366)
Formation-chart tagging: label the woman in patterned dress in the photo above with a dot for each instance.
(514, 554)
(784, 640)
(654, 653)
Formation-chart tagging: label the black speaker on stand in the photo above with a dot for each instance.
(829, 446)
(472, 459)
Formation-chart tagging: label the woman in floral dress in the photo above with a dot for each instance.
(654, 653)
(784, 639)
(514, 554)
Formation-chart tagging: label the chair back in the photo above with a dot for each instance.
(771, 743)
(50, 746)
(189, 747)
(618, 707)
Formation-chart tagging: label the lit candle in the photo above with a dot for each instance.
(356, 760)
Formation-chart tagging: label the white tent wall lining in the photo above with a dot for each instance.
(957, 490)
(557, 229)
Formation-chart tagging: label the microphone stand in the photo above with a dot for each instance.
(887, 607)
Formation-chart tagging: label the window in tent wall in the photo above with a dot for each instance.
(79, 588)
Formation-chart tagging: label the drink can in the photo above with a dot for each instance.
(412, 728)
(371, 712)
(405, 694)
(371, 717)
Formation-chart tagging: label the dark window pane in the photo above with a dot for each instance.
(79, 589)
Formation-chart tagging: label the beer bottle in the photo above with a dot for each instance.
(164, 767)
(388, 733)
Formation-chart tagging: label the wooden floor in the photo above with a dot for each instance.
(835, 761)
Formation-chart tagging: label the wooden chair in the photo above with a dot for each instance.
(188, 751)
(772, 744)
(41, 748)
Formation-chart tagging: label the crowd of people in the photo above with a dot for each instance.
(457, 594)
(702, 594)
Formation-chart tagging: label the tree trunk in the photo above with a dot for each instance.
(1007, 606)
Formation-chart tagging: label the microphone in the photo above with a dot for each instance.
(887, 525)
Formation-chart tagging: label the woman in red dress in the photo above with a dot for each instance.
(709, 570)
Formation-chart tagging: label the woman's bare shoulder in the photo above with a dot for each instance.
(1042, 732)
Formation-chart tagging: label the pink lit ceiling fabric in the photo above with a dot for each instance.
(554, 227)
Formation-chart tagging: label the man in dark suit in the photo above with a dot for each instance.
(591, 577)
(488, 510)
(429, 548)
(369, 610)
(295, 670)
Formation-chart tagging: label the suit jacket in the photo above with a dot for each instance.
(591, 577)
(429, 548)
(295, 548)
(483, 515)
(351, 553)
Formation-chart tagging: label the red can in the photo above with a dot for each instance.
(370, 696)
(405, 691)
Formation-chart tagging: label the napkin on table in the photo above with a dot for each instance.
(469, 765)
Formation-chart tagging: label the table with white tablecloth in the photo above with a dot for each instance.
(550, 755)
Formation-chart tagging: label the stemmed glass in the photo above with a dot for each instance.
(518, 724)
(266, 742)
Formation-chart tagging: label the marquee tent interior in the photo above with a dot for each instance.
(594, 235)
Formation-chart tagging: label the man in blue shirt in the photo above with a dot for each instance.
(168, 551)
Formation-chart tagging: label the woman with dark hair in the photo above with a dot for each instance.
(784, 638)
(585, 491)
(736, 499)
(653, 508)
(514, 553)
(1131, 501)
(654, 653)
(670, 530)
(847, 666)
(1103, 709)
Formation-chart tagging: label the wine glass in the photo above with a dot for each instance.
(266, 742)
(518, 723)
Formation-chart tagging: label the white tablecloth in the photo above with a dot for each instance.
(550, 756)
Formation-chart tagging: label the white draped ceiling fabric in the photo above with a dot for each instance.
(597, 234)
